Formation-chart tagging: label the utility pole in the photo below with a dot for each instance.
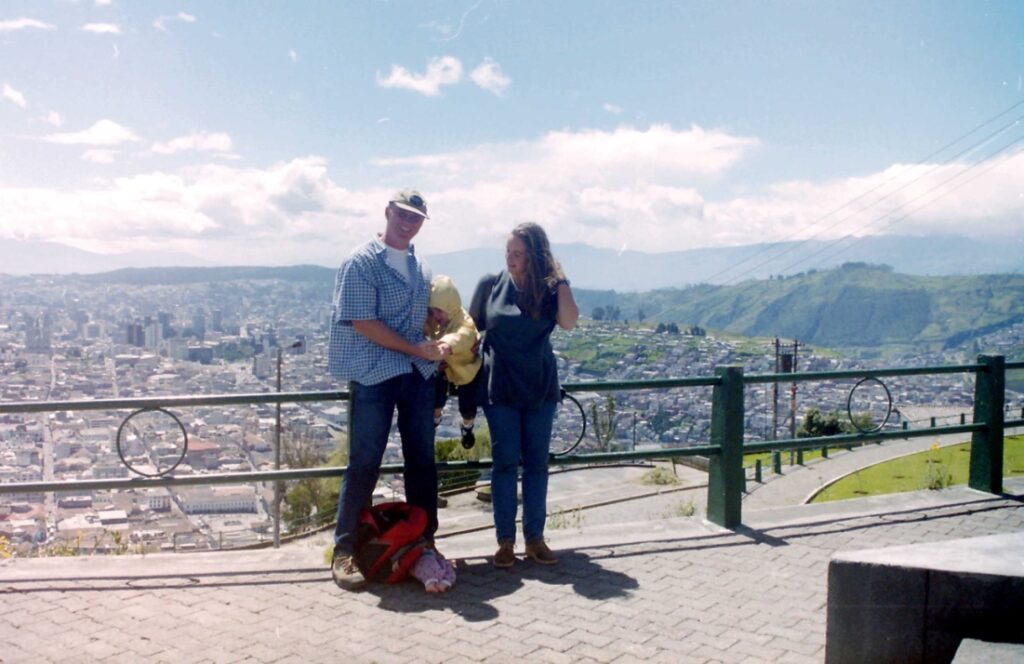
(792, 393)
(277, 459)
(775, 395)
(278, 484)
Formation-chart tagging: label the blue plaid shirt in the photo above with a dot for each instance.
(367, 288)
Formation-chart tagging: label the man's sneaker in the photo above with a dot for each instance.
(346, 575)
(538, 550)
(468, 437)
(506, 555)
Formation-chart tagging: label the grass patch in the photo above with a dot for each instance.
(565, 519)
(659, 476)
(931, 469)
(683, 508)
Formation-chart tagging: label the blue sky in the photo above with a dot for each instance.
(273, 132)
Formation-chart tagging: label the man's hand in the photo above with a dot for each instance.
(432, 351)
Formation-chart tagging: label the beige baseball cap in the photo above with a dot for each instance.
(411, 200)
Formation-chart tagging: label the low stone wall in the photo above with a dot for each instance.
(916, 603)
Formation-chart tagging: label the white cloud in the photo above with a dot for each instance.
(201, 142)
(292, 55)
(102, 28)
(287, 213)
(24, 24)
(161, 21)
(14, 96)
(444, 70)
(98, 156)
(104, 132)
(103, 3)
(601, 187)
(914, 200)
(53, 118)
(612, 108)
(648, 188)
(488, 75)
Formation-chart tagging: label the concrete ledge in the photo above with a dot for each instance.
(973, 651)
(916, 603)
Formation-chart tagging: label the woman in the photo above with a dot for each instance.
(516, 311)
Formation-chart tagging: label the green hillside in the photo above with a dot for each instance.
(854, 306)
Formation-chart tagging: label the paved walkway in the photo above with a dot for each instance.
(660, 589)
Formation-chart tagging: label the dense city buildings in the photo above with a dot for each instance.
(83, 338)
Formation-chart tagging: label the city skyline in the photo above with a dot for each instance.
(274, 135)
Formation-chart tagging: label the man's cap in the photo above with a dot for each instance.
(411, 200)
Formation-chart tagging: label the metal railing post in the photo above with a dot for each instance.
(277, 458)
(986, 472)
(725, 474)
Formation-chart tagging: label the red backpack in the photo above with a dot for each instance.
(389, 540)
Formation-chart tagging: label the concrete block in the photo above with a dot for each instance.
(876, 613)
(974, 651)
(915, 603)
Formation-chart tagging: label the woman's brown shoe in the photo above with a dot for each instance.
(505, 556)
(538, 550)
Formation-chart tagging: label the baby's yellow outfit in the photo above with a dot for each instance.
(460, 333)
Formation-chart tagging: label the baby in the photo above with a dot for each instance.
(448, 323)
(434, 571)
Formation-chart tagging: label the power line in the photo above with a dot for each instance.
(922, 161)
(970, 149)
(901, 218)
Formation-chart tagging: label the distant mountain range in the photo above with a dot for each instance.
(607, 269)
(858, 306)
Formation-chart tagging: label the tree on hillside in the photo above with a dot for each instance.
(450, 449)
(315, 498)
(817, 424)
(603, 423)
(598, 313)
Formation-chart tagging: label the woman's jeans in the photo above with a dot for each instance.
(372, 409)
(520, 434)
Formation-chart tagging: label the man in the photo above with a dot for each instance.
(377, 342)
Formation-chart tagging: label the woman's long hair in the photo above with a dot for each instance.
(541, 269)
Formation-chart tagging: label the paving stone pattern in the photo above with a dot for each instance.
(675, 590)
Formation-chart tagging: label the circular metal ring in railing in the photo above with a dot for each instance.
(152, 409)
(583, 428)
(888, 405)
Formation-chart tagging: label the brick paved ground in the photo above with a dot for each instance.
(667, 590)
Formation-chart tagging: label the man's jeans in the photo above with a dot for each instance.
(372, 409)
(520, 433)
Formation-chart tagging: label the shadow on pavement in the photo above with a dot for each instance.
(479, 583)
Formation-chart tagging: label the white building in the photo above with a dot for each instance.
(218, 499)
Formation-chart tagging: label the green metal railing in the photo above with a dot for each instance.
(725, 449)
